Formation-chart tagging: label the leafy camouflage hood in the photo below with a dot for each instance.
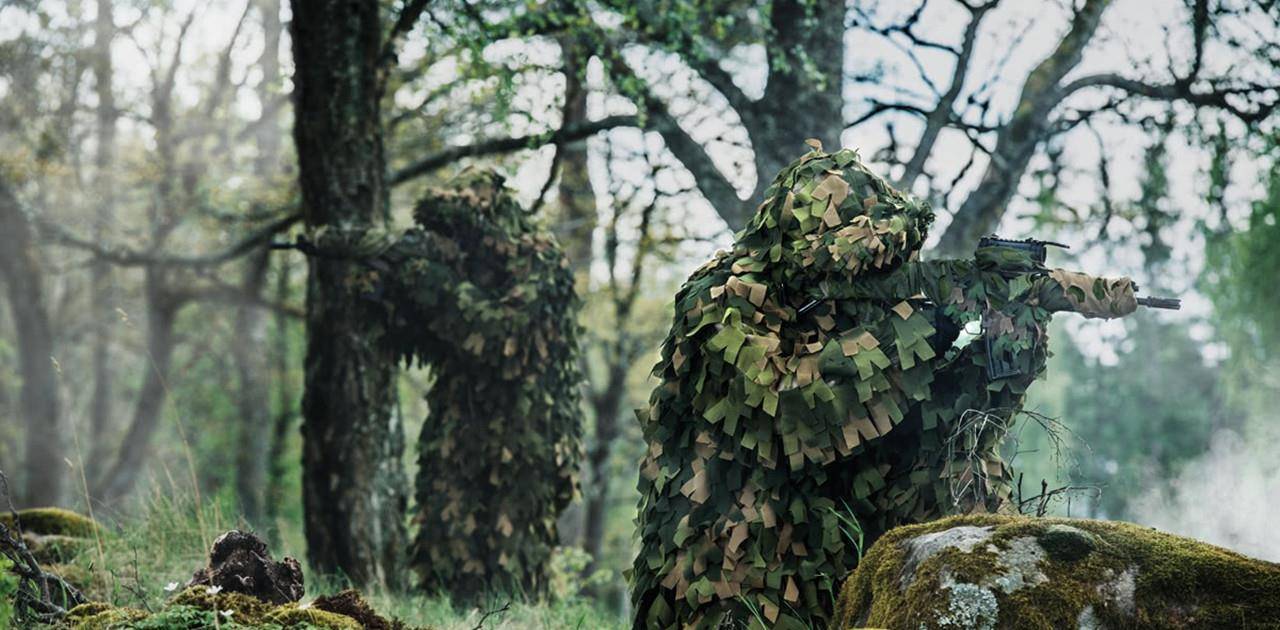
(826, 214)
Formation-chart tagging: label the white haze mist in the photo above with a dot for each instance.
(1230, 497)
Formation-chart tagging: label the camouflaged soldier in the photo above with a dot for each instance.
(813, 396)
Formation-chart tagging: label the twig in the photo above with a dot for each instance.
(490, 613)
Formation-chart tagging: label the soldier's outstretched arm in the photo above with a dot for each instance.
(1095, 297)
(949, 282)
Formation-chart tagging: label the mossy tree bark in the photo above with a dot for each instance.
(352, 479)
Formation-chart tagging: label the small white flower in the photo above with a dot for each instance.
(170, 587)
(227, 613)
(304, 605)
(213, 590)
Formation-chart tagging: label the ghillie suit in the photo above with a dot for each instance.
(486, 300)
(811, 398)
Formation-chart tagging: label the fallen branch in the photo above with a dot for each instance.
(489, 613)
(36, 598)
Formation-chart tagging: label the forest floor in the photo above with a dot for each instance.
(142, 561)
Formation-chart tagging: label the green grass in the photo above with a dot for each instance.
(135, 561)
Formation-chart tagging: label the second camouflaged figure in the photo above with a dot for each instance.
(812, 396)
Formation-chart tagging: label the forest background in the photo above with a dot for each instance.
(152, 343)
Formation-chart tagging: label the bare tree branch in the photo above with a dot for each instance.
(943, 112)
(505, 145)
(408, 17)
(125, 257)
(1182, 90)
(1019, 137)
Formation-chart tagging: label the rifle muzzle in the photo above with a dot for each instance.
(1172, 304)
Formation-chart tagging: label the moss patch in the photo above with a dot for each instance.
(198, 607)
(52, 521)
(101, 616)
(1095, 574)
(244, 609)
(291, 615)
(351, 604)
(1064, 543)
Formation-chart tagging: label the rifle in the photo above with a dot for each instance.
(1038, 251)
(1002, 365)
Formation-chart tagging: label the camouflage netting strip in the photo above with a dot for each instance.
(1094, 297)
(485, 299)
(810, 399)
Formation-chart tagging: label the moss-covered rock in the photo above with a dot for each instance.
(52, 521)
(1014, 572)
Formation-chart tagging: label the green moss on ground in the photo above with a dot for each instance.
(52, 521)
(101, 616)
(244, 609)
(196, 607)
(1016, 572)
(293, 615)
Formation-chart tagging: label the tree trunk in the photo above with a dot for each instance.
(577, 200)
(284, 404)
(796, 106)
(578, 207)
(607, 406)
(249, 343)
(162, 308)
(353, 484)
(134, 448)
(268, 135)
(248, 346)
(43, 463)
(102, 292)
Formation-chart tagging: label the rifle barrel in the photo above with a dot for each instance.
(1172, 304)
